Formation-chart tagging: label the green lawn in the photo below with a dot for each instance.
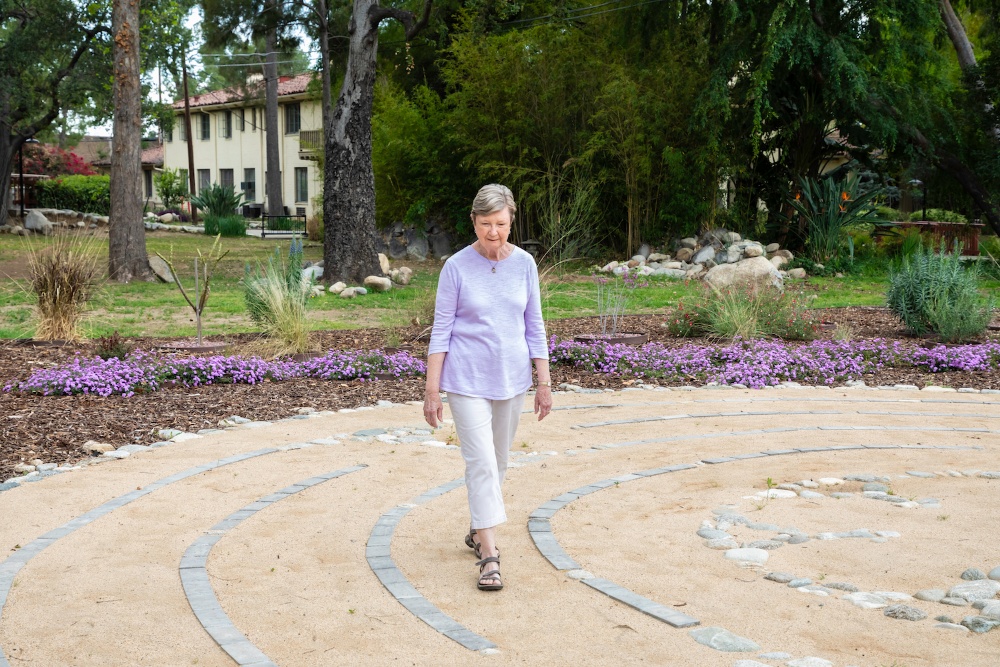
(157, 309)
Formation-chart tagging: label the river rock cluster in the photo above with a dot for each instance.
(720, 257)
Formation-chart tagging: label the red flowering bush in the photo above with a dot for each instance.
(54, 161)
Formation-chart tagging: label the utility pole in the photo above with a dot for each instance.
(187, 130)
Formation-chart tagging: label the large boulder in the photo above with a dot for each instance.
(37, 222)
(753, 272)
(705, 254)
(644, 250)
(160, 269)
(383, 263)
(417, 247)
(684, 255)
(378, 283)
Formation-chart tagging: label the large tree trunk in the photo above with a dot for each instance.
(272, 132)
(127, 257)
(956, 32)
(348, 181)
(8, 148)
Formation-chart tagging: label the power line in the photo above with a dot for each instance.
(573, 15)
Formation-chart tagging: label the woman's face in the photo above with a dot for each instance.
(492, 230)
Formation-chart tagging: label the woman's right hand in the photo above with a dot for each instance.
(433, 408)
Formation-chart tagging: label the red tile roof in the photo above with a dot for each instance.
(153, 155)
(287, 85)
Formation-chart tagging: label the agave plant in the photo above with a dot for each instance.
(218, 200)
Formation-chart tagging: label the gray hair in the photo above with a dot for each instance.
(492, 198)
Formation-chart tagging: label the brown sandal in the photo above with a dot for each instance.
(471, 543)
(491, 576)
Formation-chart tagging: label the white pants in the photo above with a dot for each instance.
(486, 430)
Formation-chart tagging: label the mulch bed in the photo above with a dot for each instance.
(53, 428)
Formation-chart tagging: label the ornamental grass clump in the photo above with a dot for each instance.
(744, 313)
(275, 297)
(933, 293)
(613, 295)
(62, 278)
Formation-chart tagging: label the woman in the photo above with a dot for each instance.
(488, 329)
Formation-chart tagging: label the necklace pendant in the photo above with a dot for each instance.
(493, 270)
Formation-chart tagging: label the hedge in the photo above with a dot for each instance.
(86, 194)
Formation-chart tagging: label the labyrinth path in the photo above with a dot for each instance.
(731, 528)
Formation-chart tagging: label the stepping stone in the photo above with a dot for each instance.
(806, 493)
(779, 577)
(775, 655)
(975, 590)
(801, 581)
(809, 484)
(767, 545)
(714, 534)
(980, 624)
(991, 609)
(777, 493)
(722, 640)
(952, 626)
(930, 595)
(758, 556)
(875, 486)
(917, 473)
(724, 544)
(904, 613)
(954, 602)
(842, 586)
(830, 481)
(972, 574)
(809, 662)
(798, 539)
(867, 600)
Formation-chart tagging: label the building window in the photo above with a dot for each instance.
(243, 119)
(293, 118)
(226, 178)
(206, 126)
(226, 124)
(249, 185)
(148, 179)
(184, 177)
(302, 184)
(204, 179)
(182, 134)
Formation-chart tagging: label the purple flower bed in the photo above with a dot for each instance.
(149, 371)
(758, 363)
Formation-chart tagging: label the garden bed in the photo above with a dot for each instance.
(53, 428)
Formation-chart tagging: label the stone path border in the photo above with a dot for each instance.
(779, 413)
(13, 564)
(198, 589)
(377, 552)
(540, 527)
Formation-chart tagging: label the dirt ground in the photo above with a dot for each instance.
(294, 580)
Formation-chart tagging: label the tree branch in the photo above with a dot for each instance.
(377, 14)
(58, 78)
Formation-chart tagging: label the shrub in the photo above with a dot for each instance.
(63, 277)
(218, 200)
(933, 292)
(112, 347)
(227, 225)
(938, 215)
(275, 297)
(87, 194)
(751, 313)
(171, 187)
(888, 214)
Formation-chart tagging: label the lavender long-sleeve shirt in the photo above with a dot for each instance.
(490, 324)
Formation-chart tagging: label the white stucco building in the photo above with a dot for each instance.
(229, 144)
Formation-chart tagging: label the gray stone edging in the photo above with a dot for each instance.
(540, 527)
(377, 552)
(781, 413)
(13, 564)
(198, 589)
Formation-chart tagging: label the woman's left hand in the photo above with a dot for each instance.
(543, 401)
